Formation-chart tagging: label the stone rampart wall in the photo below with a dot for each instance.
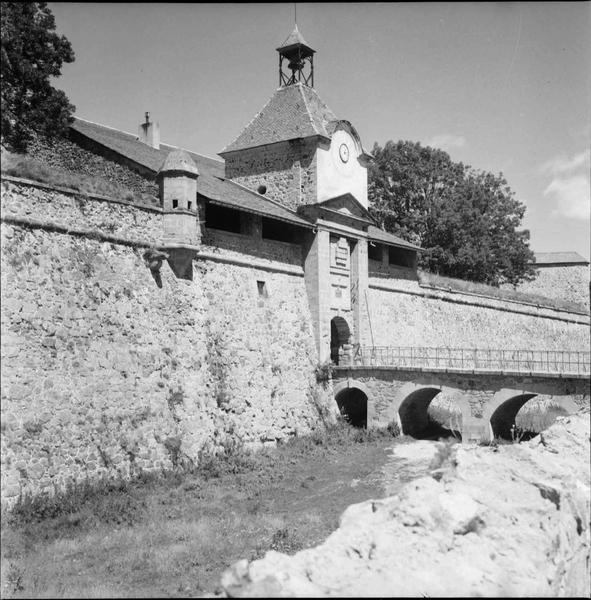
(70, 209)
(403, 313)
(566, 282)
(106, 370)
(238, 245)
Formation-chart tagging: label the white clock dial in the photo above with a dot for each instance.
(344, 152)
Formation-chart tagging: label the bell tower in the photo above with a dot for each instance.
(300, 61)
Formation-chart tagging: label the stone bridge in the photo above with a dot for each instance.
(488, 390)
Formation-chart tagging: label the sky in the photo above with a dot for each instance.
(503, 87)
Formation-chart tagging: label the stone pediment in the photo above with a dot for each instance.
(347, 205)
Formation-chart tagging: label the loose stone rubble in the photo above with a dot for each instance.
(506, 521)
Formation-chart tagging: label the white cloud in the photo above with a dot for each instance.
(447, 141)
(570, 185)
(563, 164)
(571, 196)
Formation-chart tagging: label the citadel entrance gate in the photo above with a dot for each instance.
(340, 335)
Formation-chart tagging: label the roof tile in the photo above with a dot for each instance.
(549, 258)
(379, 235)
(294, 111)
(211, 183)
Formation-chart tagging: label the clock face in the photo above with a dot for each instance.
(344, 152)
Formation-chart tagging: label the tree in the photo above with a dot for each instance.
(31, 53)
(466, 220)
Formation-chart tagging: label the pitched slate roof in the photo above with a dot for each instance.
(551, 258)
(294, 111)
(379, 235)
(129, 146)
(211, 183)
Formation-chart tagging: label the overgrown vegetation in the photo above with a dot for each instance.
(23, 166)
(422, 195)
(505, 293)
(32, 55)
(173, 533)
(323, 371)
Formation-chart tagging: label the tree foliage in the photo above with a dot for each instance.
(31, 53)
(466, 220)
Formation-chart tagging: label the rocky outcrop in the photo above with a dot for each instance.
(506, 521)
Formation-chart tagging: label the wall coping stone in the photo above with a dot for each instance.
(103, 237)
(73, 192)
(450, 290)
(393, 288)
(88, 233)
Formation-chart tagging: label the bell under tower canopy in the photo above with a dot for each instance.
(300, 60)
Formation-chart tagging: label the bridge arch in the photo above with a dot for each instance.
(412, 408)
(340, 335)
(501, 412)
(352, 398)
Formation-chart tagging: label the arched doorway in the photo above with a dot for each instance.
(340, 334)
(352, 403)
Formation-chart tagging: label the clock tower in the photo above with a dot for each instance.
(296, 151)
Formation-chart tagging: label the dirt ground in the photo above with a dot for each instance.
(175, 536)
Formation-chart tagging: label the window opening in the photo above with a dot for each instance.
(374, 252)
(280, 231)
(220, 217)
(400, 257)
(262, 287)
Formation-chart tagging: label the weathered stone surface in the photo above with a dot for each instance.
(564, 282)
(101, 365)
(507, 522)
(458, 321)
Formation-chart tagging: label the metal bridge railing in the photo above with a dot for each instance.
(473, 359)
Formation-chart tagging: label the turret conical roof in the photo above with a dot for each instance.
(179, 161)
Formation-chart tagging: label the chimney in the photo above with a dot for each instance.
(149, 133)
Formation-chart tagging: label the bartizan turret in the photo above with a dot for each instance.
(177, 179)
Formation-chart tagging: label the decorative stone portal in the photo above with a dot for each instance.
(352, 403)
(340, 335)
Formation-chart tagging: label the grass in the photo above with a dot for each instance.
(173, 533)
(19, 165)
(461, 285)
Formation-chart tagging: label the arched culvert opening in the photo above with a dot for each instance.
(445, 416)
(414, 416)
(340, 334)
(502, 421)
(352, 403)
